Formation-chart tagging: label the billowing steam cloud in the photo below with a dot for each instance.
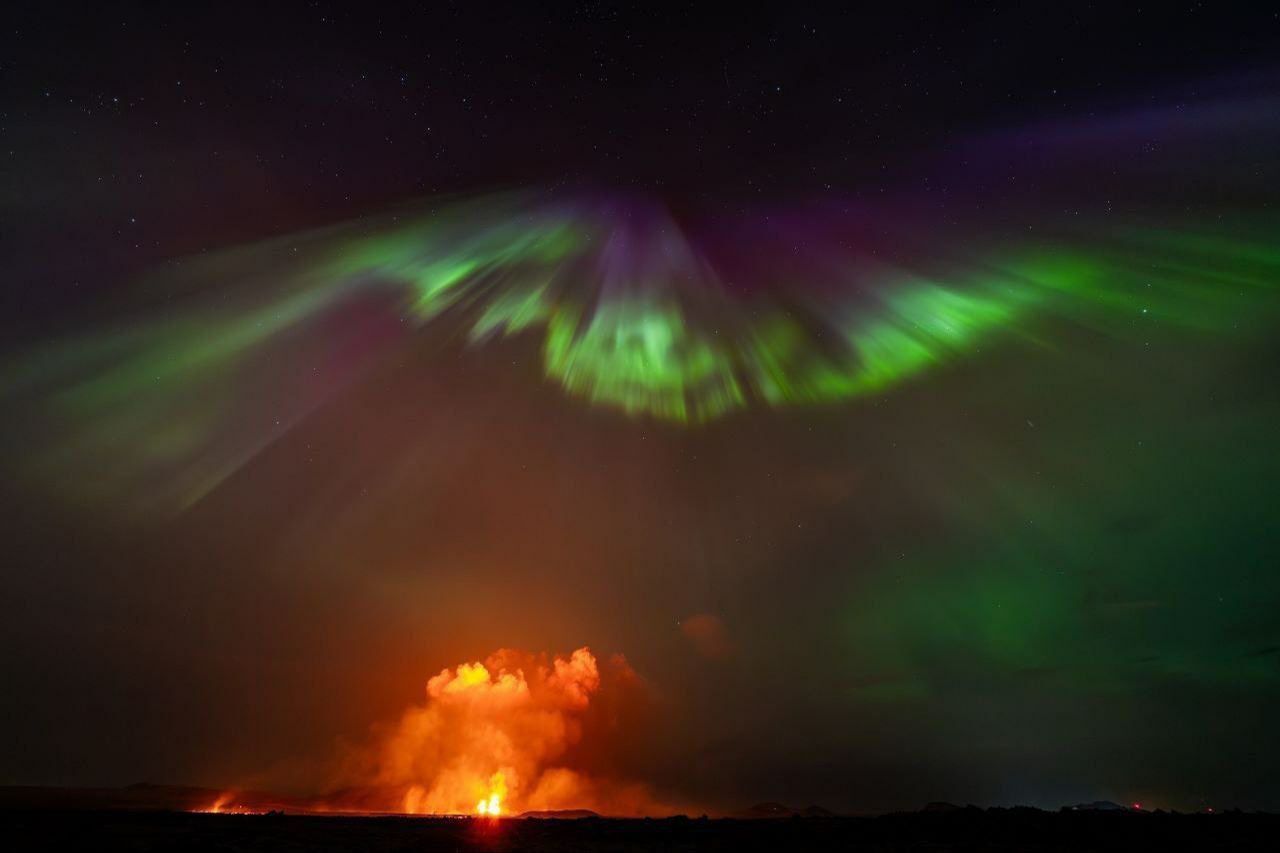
(512, 734)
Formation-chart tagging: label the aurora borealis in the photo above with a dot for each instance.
(625, 311)
(923, 450)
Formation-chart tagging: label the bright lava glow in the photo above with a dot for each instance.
(491, 807)
(225, 804)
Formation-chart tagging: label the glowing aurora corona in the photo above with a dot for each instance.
(627, 309)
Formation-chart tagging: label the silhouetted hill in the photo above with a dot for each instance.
(764, 810)
(815, 811)
(1097, 806)
(774, 810)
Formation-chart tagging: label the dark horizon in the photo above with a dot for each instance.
(153, 797)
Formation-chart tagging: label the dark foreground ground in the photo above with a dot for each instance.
(1012, 830)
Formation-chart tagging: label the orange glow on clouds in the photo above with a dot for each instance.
(708, 634)
(506, 736)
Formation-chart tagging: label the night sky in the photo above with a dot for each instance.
(894, 388)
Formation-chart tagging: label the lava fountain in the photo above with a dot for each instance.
(491, 806)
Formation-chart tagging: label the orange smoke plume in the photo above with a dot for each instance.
(509, 735)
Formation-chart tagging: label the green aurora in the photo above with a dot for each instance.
(162, 397)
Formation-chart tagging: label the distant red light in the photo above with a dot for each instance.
(1137, 805)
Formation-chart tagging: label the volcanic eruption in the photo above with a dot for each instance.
(517, 732)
